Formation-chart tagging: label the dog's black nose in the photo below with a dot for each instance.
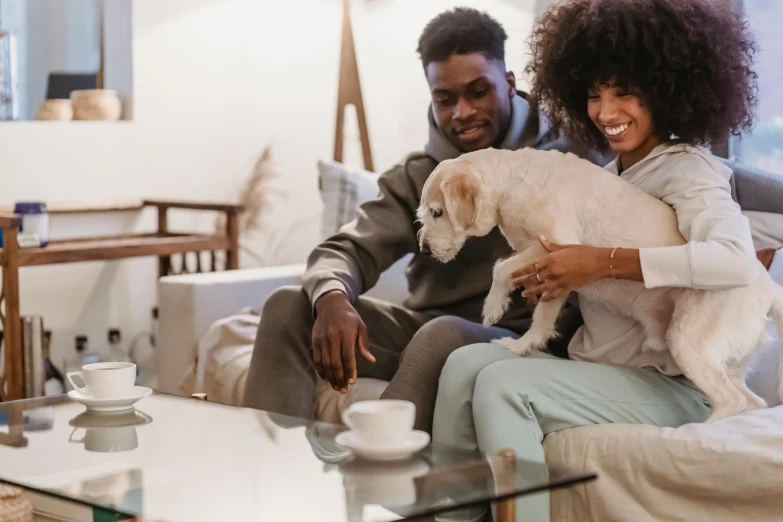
(425, 249)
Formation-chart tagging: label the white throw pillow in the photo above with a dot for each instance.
(343, 189)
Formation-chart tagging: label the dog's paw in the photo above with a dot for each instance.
(755, 403)
(519, 346)
(494, 308)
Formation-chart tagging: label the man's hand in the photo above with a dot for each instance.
(337, 333)
(765, 256)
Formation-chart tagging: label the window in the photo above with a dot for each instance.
(764, 147)
(50, 47)
(12, 59)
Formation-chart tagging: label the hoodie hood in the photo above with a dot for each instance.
(663, 153)
(523, 131)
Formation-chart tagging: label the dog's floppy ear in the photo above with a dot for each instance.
(460, 194)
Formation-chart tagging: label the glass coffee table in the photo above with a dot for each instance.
(175, 458)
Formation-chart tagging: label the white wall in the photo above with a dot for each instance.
(214, 82)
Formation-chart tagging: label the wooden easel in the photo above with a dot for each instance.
(350, 93)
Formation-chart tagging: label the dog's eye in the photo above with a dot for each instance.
(436, 212)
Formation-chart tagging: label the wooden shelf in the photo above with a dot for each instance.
(131, 205)
(194, 205)
(161, 244)
(120, 247)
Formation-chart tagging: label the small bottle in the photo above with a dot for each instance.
(115, 353)
(54, 384)
(35, 222)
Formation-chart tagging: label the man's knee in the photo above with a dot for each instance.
(287, 304)
(286, 322)
(440, 337)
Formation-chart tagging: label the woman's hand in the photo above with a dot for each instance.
(566, 268)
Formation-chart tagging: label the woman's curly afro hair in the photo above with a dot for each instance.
(690, 61)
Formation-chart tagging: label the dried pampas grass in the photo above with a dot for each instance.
(260, 243)
(254, 195)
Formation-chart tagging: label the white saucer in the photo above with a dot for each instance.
(414, 442)
(137, 393)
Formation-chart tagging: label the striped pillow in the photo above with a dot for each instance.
(343, 189)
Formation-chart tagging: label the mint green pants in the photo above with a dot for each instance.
(490, 399)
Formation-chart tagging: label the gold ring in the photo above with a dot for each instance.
(539, 278)
(535, 264)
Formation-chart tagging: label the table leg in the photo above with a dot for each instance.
(505, 510)
(13, 378)
(232, 231)
(15, 437)
(164, 266)
(164, 262)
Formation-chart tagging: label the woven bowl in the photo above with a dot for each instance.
(55, 110)
(96, 105)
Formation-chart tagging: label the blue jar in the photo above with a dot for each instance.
(35, 220)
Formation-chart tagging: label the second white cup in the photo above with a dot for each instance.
(110, 380)
(381, 423)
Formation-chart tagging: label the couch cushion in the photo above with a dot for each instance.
(755, 188)
(766, 229)
(343, 189)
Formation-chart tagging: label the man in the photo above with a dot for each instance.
(327, 327)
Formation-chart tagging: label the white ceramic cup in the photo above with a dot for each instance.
(380, 423)
(110, 380)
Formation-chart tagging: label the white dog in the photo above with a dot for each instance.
(529, 193)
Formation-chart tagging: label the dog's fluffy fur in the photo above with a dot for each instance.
(530, 193)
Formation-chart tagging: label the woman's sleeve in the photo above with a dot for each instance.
(719, 252)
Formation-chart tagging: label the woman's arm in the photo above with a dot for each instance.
(571, 267)
(719, 253)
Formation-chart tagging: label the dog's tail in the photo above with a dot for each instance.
(777, 315)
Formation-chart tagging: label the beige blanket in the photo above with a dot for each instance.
(223, 360)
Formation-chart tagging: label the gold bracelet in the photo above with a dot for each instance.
(611, 257)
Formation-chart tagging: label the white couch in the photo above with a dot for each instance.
(730, 470)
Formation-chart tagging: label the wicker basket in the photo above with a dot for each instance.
(14, 506)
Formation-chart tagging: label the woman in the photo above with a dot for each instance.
(653, 79)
